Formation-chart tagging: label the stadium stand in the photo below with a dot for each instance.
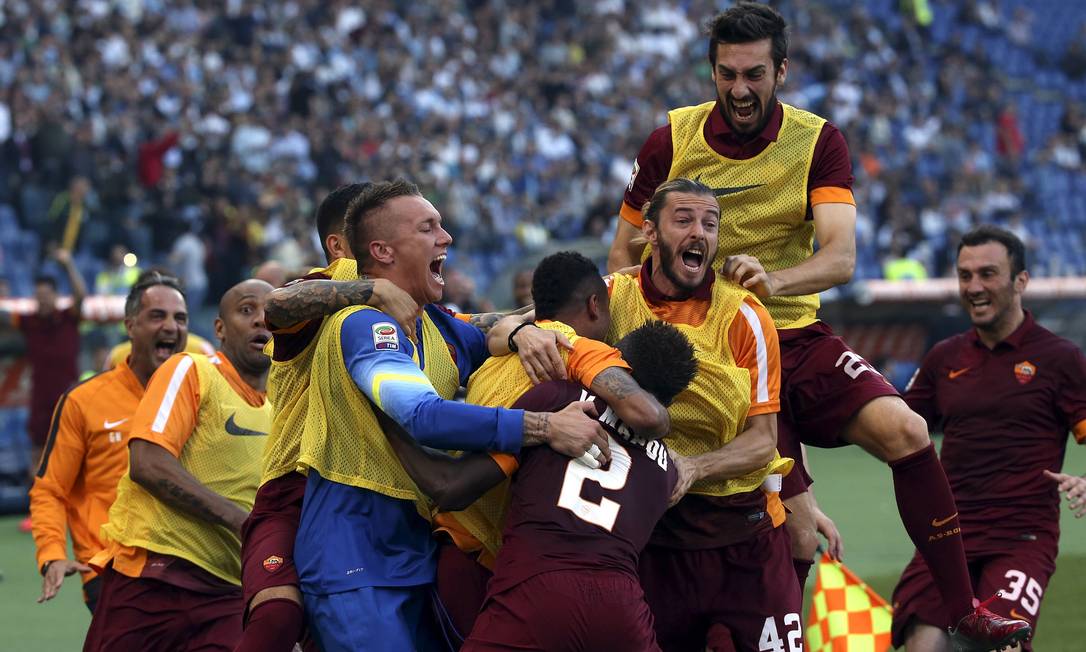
(520, 120)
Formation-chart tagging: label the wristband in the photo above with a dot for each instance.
(513, 348)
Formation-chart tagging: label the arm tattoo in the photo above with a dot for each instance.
(308, 300)
(484, 321)
(615, 383)
(177, 496)
(537, 426)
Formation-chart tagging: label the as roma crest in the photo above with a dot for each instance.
(1025, 371)
(273, 563)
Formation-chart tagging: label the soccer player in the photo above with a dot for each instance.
(566, 576)
(571, 299)
(274, 617)
(52, 347)
(723, 538)
(364, 554)
(171, 572)
(1005, 395)
(86, 452)
(782, 179)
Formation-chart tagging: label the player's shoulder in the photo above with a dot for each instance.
(951, 345)
(1055, 347)
(367, 328)
(87, 390)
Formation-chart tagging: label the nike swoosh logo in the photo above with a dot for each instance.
(720, 192)
(234, 429)
(109, 425)
(935, 522)
(1015, 614)
(957, 372)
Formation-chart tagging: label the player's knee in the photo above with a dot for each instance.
(286, 592)
(899, 433)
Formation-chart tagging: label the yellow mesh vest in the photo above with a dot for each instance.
(712, 410)
(767, 219)
(499, 382)
(288, 382)
(342, 439)
(227, 464)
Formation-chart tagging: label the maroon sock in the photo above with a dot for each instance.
(275, 624)
(803, 569)
(931, 518)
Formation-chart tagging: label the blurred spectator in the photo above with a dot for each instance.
(187, 261)
(522, 287)
(902, 267)
(460, 294)
(52, 347)
(118, 276)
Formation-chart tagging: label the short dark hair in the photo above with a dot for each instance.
(561, 280)
(332, 209)
(986, 233)
(357, 226)
(45, 279)
(747, 22)
(144, 282)
(656, 204)
(660, 358)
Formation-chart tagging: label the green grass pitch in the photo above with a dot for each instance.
(852, 487)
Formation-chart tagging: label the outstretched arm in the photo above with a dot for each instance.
(830, 266)
(626, 248)
(751, 450)
(315, 299)
(75, 279)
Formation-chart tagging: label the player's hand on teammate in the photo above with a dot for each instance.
(539, 353)
(396, 303)
(575, 432)
(687, 472)
(55, 573)
(835, 545)
(1074, 487)
(748, 272)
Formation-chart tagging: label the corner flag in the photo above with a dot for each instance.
(846, 615)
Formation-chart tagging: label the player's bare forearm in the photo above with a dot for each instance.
(626, 249)
(452, 483)
(486, 321)
(75, 279)
(300, 302)
(497, 336)
(751, 450)
(638, 409)
(161, 474)
(824, 270)
(537, 427)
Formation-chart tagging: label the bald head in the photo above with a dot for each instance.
(251, 288)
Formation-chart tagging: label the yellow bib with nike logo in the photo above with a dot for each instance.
(288, 392)
(763, 199)
(223, 453)
(342, 439)
(712, 410)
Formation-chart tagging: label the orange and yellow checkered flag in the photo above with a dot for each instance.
(846, 615)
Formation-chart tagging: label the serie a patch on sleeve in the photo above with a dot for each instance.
(385, 337)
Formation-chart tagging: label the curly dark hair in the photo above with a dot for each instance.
(332, 209)
(661, 359)
(564, 279)
(747, 22)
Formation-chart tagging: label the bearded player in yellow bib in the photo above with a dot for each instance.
(782, 177)
(171, 570)
(364, 552)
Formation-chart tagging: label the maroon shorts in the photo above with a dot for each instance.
(141, 614)
(267, 538)
(461, 588)
(722, 599)
(1020, 570)
(566, 610)
(824, 384)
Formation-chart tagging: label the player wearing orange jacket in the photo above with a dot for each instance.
(86, 450)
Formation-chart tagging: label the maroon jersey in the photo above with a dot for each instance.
(1005, 415)
(52, 347)
(566, 516)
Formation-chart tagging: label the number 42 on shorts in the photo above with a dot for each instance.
(770, 640)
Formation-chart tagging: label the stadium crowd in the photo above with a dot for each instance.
(292, 486)
(200, 133)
